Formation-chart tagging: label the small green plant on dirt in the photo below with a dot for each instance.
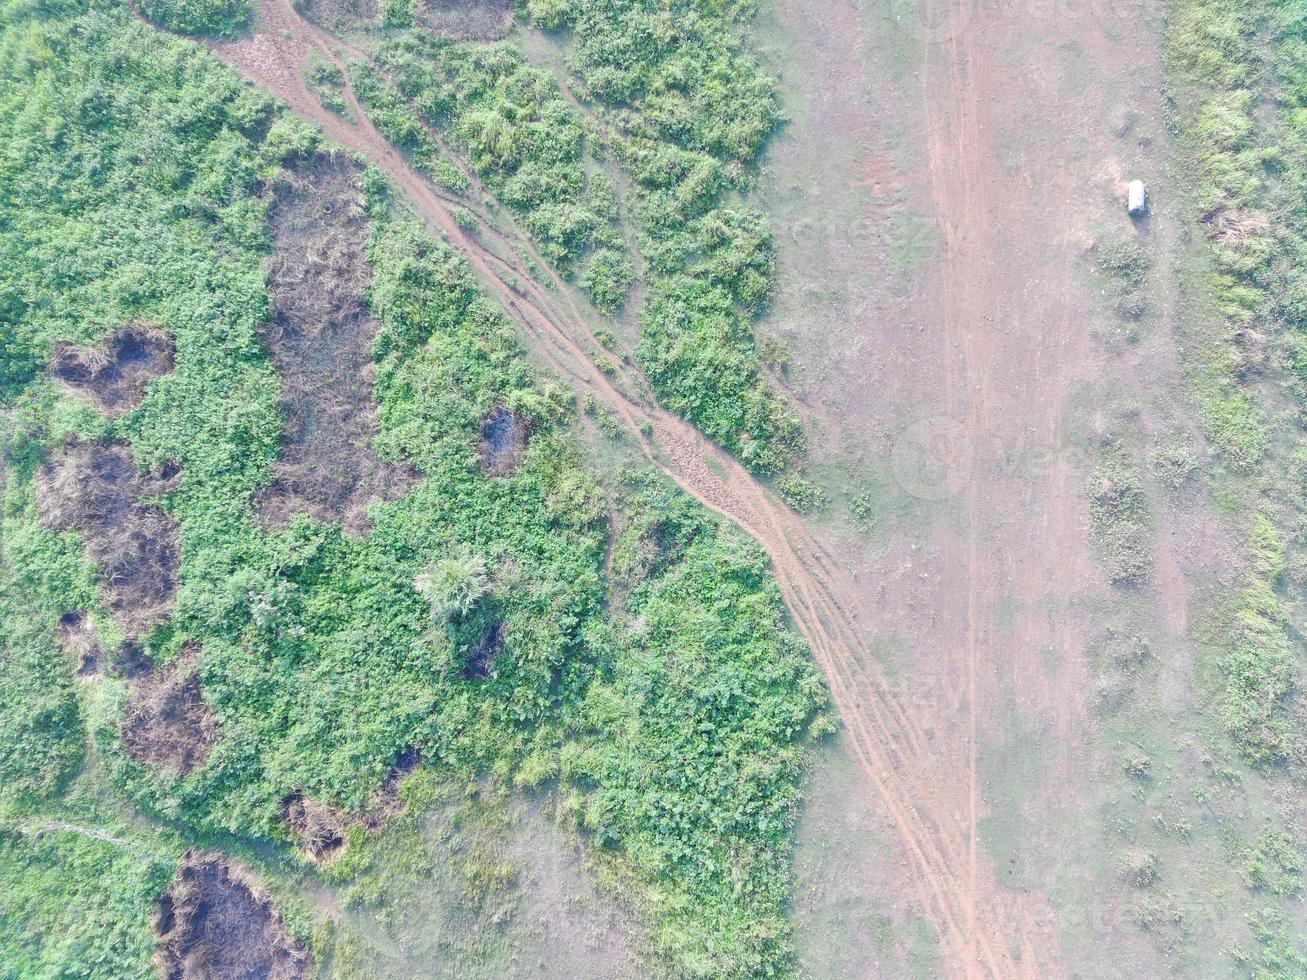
(466, 220)
(1174, 460)
(397, 13)
(1119, 519)
(773, 353)
(607, 277)
(327, 82)
(801, 493)
(1140, 868)
(452, 586)
(1272, 863)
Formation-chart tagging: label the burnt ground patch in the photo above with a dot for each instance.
(470, 20)
(320, 339)
(216, 923)
(94, 487)
(323, 830)
(77, 637)
(167, 724)
(504, 438)
(483, 651)
(112, 376)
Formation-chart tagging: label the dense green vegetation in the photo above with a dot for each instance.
(396, 121)
(526, 142)
(666, 702)
(689, 112)
(77, 905)
(221, 18)
(668, 91)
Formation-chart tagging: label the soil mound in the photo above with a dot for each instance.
(95, 488)
(216, 923)
(323, 830)
(167, 724)
(504, 438)
(320, 339)
(112, 376)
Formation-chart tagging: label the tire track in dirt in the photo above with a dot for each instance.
(952, 887)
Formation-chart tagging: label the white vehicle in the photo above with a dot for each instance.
(1138, 198)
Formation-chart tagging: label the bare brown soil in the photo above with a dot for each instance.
(167, 723)
(113, 376)
(95, 488)
(216, 923)
(504, 438)
(321, 340)
(323, 830)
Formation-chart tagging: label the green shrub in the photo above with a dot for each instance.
(801, 494)
(221, 18)
(452, 586)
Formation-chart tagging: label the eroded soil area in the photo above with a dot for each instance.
(167, 723)
(94, 488)
(320, 339)
(112, 376)
(215, 923)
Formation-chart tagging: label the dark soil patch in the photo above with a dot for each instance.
(320, 338)
(323, 830)
(216, 923)
(77, 637)
(112, 376)
(481, 656)
(95, 488)
(471, 20)
(167, 724)
(504, 438)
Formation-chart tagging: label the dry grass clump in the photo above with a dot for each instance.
(113, 376)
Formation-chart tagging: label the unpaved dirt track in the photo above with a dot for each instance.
(926, 786)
